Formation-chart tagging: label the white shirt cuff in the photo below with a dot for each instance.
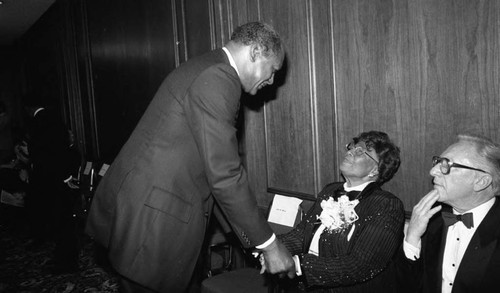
(266, 244)
(411, 252)
(296, 260)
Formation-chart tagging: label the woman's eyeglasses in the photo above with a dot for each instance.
(358, 150)
(445, 165)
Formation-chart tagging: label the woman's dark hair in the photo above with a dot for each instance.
(388, 153)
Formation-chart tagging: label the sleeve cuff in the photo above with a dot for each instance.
(411, 252)
(266, 244)
(298, 270)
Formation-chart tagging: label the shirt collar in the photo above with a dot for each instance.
(38, 110)
(479, 212)
(357, 188)
(231, 60)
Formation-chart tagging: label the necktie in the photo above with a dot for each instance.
(351, 194)
(450, 219)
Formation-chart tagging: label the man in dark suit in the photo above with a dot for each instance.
(443, 252)
(51, 198)
(152, 207)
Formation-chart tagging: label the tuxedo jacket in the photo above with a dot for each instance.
(152, 206)
(479, 270)
(360, 263)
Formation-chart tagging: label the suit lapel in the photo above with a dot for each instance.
(478, 254)
(314, 223)
(436, 238)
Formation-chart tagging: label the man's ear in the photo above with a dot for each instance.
(483, 182)
(255, 52)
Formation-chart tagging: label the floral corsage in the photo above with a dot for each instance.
(338, 215)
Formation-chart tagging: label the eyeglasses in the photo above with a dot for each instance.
(445, 165)
(358, 150)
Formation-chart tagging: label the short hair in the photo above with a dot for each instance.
(261, 34)
(387, 152)
(489, 151)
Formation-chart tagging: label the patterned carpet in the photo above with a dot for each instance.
(25, 267)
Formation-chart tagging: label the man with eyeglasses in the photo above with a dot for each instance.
(454, 246)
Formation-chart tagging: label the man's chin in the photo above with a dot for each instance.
(439, 190)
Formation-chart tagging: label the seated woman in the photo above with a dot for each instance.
(347, 239)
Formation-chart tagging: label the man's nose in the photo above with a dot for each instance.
(435, 171)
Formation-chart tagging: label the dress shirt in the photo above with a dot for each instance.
(231, 60)
(37, 110)
(457, 240)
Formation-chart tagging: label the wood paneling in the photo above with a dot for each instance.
(289, 128)
(132, 47)
(422, 71)
(289, 141)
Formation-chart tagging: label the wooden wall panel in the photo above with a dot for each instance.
(422, 71)
(288, 143)
(289, 117)
(322, 75)
(132, 46)
(294, 128)
(197, 23)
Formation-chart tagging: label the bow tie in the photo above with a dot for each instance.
(351, 194)
(450, 219)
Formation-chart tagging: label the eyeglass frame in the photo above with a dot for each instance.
(438, 160)
(352, 146)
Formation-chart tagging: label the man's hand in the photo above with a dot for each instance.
(278, 259)
(73, 183)
(420, 216)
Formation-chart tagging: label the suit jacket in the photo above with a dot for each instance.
(152, 206)
(49, 148)
(479, 269)
(361, 264)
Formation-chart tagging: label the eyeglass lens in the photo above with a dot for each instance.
(359, 150)
(444, 164)
(356, 150)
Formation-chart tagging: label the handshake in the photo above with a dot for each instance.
(276, 259)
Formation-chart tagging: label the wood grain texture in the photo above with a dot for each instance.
(422, 71)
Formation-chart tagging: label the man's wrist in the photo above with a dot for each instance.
(411, 251)
(265, 245)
